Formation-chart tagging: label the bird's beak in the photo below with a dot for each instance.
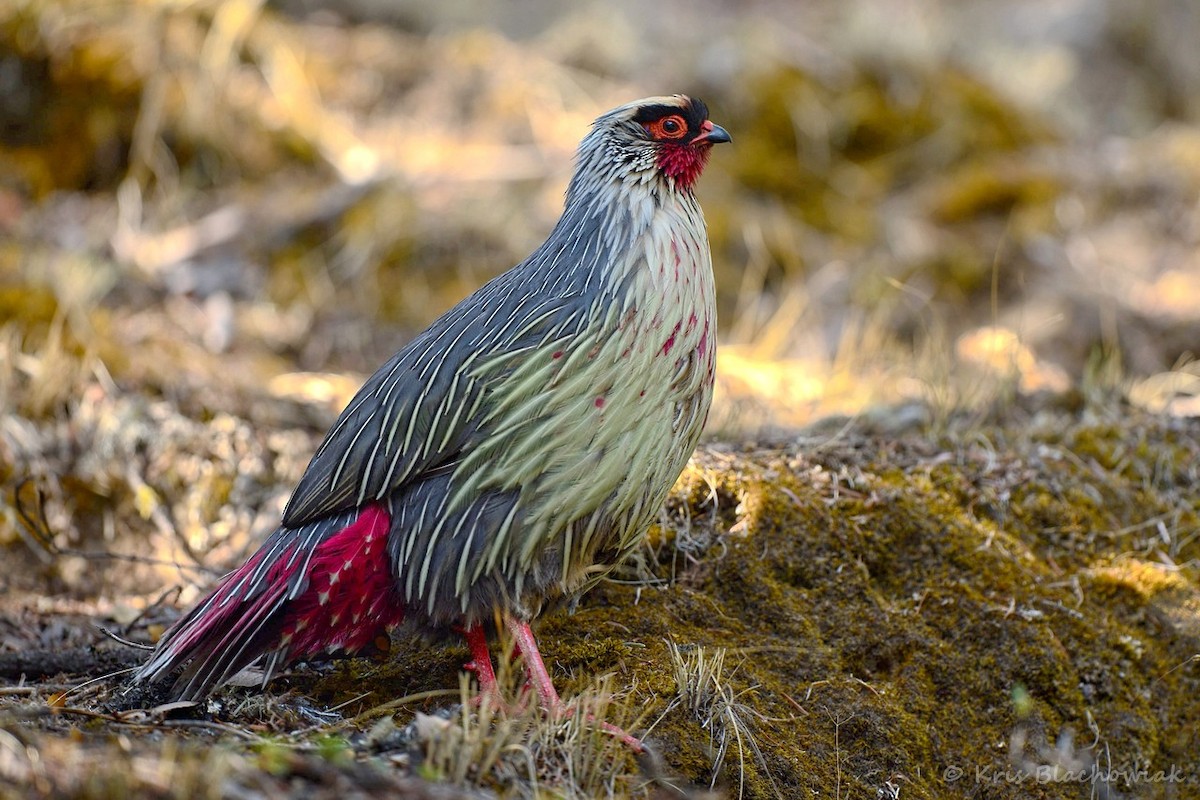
(711, 134)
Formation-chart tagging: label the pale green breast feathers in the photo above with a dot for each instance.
(597, 427)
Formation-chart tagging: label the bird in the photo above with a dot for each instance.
(511, 455)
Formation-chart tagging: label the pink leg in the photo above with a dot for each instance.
(538, 676)
(481, 660)
(540, 679)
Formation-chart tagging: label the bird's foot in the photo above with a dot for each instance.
(539, 680)
(481, 665)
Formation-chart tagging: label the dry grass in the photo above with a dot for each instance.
(704, 690)
(527, 753)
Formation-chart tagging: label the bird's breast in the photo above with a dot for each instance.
(678, 302)
(589, 430)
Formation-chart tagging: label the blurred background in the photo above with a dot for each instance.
(241, 190)
(216, 217)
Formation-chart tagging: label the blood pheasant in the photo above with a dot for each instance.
(514, 452)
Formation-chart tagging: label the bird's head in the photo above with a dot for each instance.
(661, 139)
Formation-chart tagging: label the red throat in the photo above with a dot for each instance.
(683, 162)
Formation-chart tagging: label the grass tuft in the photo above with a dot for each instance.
(525, 751)
(704, 691)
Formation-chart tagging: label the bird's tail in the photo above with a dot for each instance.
(325, 586)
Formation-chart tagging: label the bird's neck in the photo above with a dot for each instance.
(636, 221)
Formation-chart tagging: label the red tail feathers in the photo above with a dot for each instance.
(322, 587)
(351, 593)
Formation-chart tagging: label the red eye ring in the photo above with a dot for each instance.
(668, 128)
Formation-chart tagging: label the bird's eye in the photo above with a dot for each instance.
(672, 127)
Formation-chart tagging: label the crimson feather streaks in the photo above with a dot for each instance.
(302, 594)
(351, 595)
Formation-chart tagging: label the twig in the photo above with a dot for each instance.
(200, 724)
(120, 640)
(104, 677)
(378, 710)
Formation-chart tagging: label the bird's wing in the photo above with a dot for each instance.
(420, 408)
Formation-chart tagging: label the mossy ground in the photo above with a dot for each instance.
(1011, 613)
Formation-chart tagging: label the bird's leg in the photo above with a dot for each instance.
(481, 660)
(535, 668)
(481, 665)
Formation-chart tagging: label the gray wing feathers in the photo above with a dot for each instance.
(422, 407)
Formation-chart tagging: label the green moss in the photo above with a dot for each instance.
(891, 626)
